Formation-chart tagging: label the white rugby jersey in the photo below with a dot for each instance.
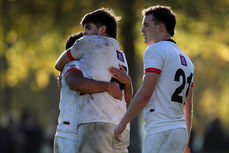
(96, 55)
(68, 106)
(165, 108)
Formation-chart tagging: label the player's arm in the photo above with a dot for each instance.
(62, 61)
(76, 81)
(188, 110)
(128, 92)
(122, 76)
(188, 113)
(73, 53)
(140, 100)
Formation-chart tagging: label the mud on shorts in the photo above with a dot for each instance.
(98, 137)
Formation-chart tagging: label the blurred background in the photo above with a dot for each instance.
(33, 34)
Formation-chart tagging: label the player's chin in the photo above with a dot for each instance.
(144, 37)
(146, 41)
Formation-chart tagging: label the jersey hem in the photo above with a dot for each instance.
(160, 129)
(67, 135)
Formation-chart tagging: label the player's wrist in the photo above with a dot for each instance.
(124, 122)
(107, 87)
(128, 81)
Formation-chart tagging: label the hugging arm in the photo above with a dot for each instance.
(62, 61)
(124, 78)
(76, 81)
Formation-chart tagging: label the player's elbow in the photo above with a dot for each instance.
(58, 66)
(74, 86)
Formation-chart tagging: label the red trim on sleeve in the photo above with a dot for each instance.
(154, 70)
(192, 85)
(72, 69)
(70, 55)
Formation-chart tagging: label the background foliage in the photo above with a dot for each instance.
(33, 34)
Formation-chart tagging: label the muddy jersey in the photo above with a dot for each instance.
(165, 108)
(96, 55)
(68, 106)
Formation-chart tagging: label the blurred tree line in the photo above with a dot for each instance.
(33, 35)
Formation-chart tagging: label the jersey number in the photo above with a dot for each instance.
(180, 73)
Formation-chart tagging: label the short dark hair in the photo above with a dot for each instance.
(162, 14)
(101, 17)
(71, 40)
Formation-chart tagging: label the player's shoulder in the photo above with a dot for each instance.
(99, 38)
(163, 45)
(155, 49)
(93, 37)
(88, 38)
(185, 60)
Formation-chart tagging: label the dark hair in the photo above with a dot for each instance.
(101, 17)
(162, 14)
(71, 40)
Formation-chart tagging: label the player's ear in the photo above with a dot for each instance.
(102, 29)
(161, 27)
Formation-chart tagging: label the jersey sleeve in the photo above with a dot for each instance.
(72, 66)
(79, 48)
(153, 60)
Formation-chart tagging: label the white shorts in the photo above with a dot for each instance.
(64, 145)
(171, 141)
(98, 137)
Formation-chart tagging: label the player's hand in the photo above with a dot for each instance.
(120, 74)
(114, 90)
(118, 130)
(59, 83)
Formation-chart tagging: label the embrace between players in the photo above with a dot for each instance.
(96, 89)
